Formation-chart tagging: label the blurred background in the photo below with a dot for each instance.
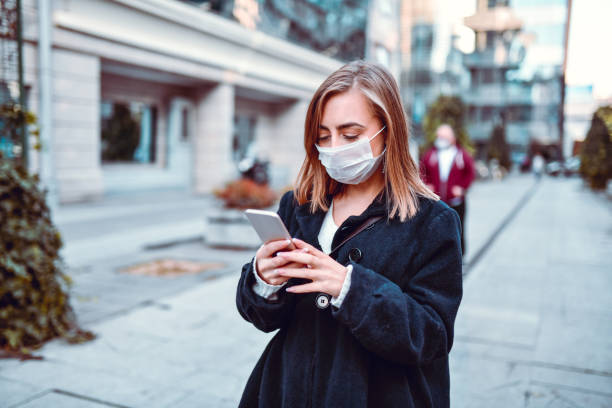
(149, 124)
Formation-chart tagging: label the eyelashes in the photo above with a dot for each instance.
(327, 137)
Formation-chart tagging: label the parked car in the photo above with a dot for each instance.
(554, 168)
(571, 166)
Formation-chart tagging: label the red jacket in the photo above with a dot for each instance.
(461, 174)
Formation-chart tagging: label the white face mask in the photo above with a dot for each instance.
(351, 163)
(442, 144)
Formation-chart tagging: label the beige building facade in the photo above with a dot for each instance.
(193, 79)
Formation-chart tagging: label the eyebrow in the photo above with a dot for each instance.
(344, 126)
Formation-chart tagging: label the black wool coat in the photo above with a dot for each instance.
(388, 343)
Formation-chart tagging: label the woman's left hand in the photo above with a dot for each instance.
(457, 191)
(326, 274)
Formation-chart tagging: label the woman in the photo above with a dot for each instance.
(367, 322)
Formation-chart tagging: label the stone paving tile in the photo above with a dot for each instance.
(584, 399)
(53, 399)
(14, 392)
(570, 379)
(108, 385)
(507, 326)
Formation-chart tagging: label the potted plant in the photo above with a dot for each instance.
(34, 297)
(228, 227)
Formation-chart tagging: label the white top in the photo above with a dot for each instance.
(538, 163)
(445, 161)
(326, 236)
(328, 230)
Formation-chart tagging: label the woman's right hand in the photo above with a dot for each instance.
(266, 261)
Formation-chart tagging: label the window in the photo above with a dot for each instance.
(497, 3)
(473, 113)
(418, 109)
(519, 113)
(185, 124)
(128, 132)
(244, 137)
(488, 76)
(487, 113)
(474, 78)
(422, 38)
(491, 38)
(421, 76)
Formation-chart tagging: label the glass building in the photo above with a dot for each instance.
(335, 28)
(432, 64)
(516, 74)
(513, 75)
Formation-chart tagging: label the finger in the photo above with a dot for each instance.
(268, 270)
(281, 262)
(305, 245)
(305, 288)
(277, 262)
(300, 257)
(303, 273)
(294, 265)
(278, 281)
(270, 248)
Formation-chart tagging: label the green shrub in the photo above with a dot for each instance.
(34, 304)
(596, 153)
(449, 110)
(498, 148)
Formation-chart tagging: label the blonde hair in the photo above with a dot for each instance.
(402, 182)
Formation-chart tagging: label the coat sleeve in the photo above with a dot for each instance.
(424, 169)
(266, 315)
(469, 172)
(411, 324)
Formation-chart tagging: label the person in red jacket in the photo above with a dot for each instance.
(448, 170)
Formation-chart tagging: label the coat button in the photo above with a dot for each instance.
(355, 254)
(322, 301)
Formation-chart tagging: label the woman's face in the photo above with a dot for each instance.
(346, 118)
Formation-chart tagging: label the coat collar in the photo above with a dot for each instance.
(310, 223)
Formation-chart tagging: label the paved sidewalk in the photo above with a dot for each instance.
(105, 237)
(537, 294)
(125, 223)
(489, 204)
(535, 325)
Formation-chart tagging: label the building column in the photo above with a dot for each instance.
(284, 145)
(76, 126)
(213, 165)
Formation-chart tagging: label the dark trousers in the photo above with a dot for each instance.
(460, 208)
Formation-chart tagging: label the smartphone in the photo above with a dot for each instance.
(268, 225)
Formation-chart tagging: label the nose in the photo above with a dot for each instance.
(336, 140)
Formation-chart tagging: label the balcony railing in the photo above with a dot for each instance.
(493, 58)
(500, 94)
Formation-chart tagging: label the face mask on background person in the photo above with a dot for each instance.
(351, 163)
(442, 144)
